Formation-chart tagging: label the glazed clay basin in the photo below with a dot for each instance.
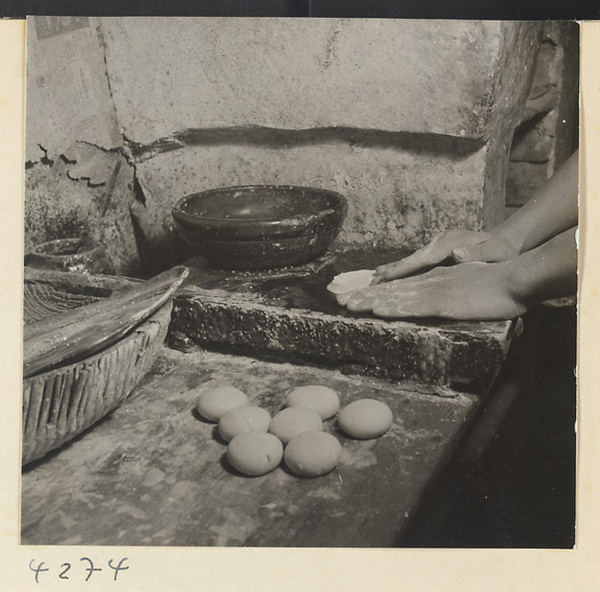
(260, 226)
(78, 254)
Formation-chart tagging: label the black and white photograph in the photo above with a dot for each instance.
(299, 294)
(300, 283)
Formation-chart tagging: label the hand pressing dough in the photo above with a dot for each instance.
(254, 454)
(351, 281)
(215, 402)
(312, 454)
(293, 421)
(321, 399)
(365, 419)
(240, 420)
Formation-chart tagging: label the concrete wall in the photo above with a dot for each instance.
(412, 121)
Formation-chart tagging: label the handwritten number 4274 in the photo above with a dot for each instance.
(89, 567)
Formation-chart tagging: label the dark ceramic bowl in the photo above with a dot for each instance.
(78, 254)
(260, 226)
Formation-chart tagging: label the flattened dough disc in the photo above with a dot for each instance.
(351, 281)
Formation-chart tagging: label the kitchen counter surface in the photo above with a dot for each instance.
(288, 315)
(154, 473)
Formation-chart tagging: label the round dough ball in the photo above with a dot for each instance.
(219, 400)
(321, 399)
(293, 421)
(365, 419)
(254, 454)
(243, 419)
(312, 454)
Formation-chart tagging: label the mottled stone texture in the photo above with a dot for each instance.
(58, 204)
(465, 355)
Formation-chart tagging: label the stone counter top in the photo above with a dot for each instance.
(154, 473)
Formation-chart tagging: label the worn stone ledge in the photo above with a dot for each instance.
(465, 355)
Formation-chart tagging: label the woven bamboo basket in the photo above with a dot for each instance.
(60, 404)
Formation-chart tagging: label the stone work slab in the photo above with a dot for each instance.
(154, 474)
(256, 316)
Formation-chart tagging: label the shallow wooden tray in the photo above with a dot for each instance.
(60, 404)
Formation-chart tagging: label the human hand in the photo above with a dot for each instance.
(473, 291)
(458, 246)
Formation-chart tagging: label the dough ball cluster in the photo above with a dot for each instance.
(257, 443)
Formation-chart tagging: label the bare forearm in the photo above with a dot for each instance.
(550, 211)
(546, 272)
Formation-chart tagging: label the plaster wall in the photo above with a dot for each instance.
(411, 120)
(426, 77)
(78, 180)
